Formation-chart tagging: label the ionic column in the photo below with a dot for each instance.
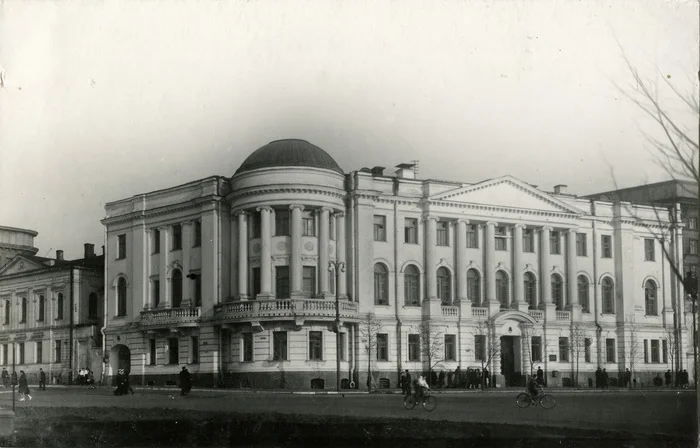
(324, 241)
(265, 253)
(461, 258)
(518, 295)
(165, 285)
(187, 284)
(490, 261)
(295, 260)
(545, 267)
(340, 252)
(242, 255)
(572, 281)
(430, 242)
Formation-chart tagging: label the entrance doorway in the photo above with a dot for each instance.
(508, 360)
(119, 358)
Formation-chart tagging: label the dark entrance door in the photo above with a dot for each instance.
(508, 359)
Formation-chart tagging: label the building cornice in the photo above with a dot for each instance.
(263, 190)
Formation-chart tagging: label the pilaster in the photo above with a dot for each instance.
(518, 267)
(265, 253)
(242, 255)
(295, 259)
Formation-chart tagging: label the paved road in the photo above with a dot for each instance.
(652, 412)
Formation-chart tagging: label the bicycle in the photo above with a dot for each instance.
(427, 401)
(525, 399)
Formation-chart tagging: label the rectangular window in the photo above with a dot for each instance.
(529, 240)
(649, 249)
(152, 351)
(414, 347)
(282, 222)
(443, 233)
(480, 347)
(42, 306)
(472, 236)
(256, 282)
(382, 347)
(693, 269)
(282, 282)
(121, 247)
(501, 238)
(693, 247)
(664, 350)
(646, 351)
(279, 346)
(536, 354)
(194, 349)
(5, 358)
(256, 224)
(156, 292)
(20, 347)
(655, 358)
(693, 223)
(450, 347)
(247, 347)
(156, 241)
(309, 280)
(173, 351)
(7, 313)
(343, 342)
(606, 246)
(379, 228)
(587, 350)
(555, 242)
(197, 234)
(315, 346)
(610, 350)
(198, 289)
(410, 230)
(39, 352)
(581, 245)
(564, 349)
(177, 237)
(57, 348)
(308, 224)
(59, 307)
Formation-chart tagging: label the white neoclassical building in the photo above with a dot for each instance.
(230, 276)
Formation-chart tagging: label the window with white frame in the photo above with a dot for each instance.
(411, 282)
(381, 284)
(472, 236)
(414, 347)
(501, 238)
(529, 240)
(530, 290)
(379, 228)
(610, 350)
(649, 254)
(558, 291)
(581, 245)
(279, 346)
(444, 286)
(502, 293)
(315, 346)
(608, 293)
(583, 294)
(443, 233)
(247, 342)
(606, 246)
(474, 287)
(555, 242)
(650, 306)
(410, 230)
(450, 347)
(382, 347)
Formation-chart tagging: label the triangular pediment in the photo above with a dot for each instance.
(20, 264)
(508, 192)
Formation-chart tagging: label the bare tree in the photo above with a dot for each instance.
(431, 344)
(487, 349)
(368, 327)
(671, 335)
(632, 345)
(577, 346)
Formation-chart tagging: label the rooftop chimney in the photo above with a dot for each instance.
(378, 171)
(89, 250)
(405, 171)
(560, 189)
(59, 255)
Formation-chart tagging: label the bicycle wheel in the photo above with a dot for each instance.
(409, 402)
(429, 403)
(547, 401)
(523, 400)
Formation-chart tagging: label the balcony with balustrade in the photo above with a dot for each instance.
(170, 318)
(297, 310)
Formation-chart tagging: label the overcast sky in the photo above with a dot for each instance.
(105, 100)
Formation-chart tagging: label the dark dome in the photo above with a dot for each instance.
(289, 152)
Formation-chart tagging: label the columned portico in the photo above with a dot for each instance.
(295, 259)
(571, 269)
(545, 276)
(163, 267)
(518, 296)
(265, 253)
(186, 247)
(461, 259)
(242, 255)
(430, 263)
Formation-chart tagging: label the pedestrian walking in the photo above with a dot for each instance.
(5, 378)
(485, 378)
(667, 378)
(441, 379)
(598, 378)
(14, 378)
(402, 382)
(42, 379)
(185, 381)
(23, 386)
(408, 383)
(627, 382)
(540, 376)
(605, 378)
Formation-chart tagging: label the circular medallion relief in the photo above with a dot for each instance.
(309, 246)
(256, 248)
(281, 246)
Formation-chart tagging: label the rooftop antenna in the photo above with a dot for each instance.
(416, 167)
(47, 252)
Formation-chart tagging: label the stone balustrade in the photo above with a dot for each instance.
(538, 315)
(480, 312)
(166, 317)
(450, 311)
(284, 308)
(563, 316)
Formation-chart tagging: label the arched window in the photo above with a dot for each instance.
(177, 288)
(121, 297)
(557, 291)
(23, 311)
(650, 298)
(42, 306)
(583, 294)
(530, 286)
(92, 305)
(502, 289)
(381, 285)
(608, 296)
(444, 286)
(474, 287)
(7, 312)
(411, 285)
(59, 305)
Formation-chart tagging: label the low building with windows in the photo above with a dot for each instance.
(238, 278)
(50, 310)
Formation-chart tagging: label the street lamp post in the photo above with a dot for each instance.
(337, 267)
(14, 374)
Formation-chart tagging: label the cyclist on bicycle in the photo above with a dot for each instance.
(533, 387)
(422, 386)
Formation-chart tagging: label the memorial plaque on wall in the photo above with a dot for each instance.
(552, 357)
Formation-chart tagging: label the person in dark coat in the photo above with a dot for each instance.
(441, 379)
(407, 383)
(605, 378)
(23, 386)
(5, 378)
(14, 378)
(540, 376)
(485, 378)
(598, 378)
(185, 381)
(627, 379)
(42, 379)
(667, 378)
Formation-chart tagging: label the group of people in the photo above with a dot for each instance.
(419, 385)
(123, 385)
(602, 380)
(682, 379)
(86, 377)
(12, 380)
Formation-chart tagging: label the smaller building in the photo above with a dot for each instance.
(50, 309)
